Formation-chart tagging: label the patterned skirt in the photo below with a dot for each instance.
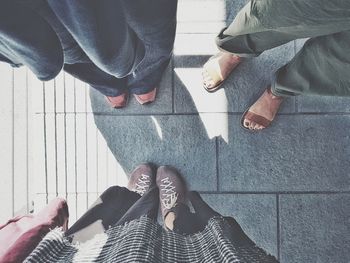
(144, 240)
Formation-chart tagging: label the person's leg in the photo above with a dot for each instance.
(262, 25)
(97, 79)
(113, 88)
(106, 211)
(187, 222)
(182, 221)
(320, 68)
(79, 65)
(201, 208)
(154, 22)
(101, 30)
(172, 194)
(114, 204)
(147, 205)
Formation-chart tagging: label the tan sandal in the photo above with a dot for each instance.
(258, 119)
(212, 67)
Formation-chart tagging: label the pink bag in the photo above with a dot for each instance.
(20, 235)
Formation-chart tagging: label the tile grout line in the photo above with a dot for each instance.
(195, 114)
(172, 85)
(276, 192)
(97, 170)
(235, 193)
(107, 168)
(278, 227)
(56, 151)
(45, 143)
(27, 139)
(75, 150)
(86, 147)
(65, 137)
(217, 164)
(13, 142)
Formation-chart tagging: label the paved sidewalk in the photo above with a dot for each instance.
(288, 187)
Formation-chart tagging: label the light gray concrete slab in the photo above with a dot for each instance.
(297, 153)
(256, 214)
(180, 141)
(323, 104)
(315, 228)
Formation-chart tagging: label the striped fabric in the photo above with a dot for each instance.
(144, 240)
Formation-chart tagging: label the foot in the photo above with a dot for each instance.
(218, 68)
(146, 98)
(172, 189)
(118, 102)
(265, 109)
(142, 179)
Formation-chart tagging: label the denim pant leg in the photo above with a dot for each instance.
(154, 22)
(97, 79)
(76, 62)
(106, 211)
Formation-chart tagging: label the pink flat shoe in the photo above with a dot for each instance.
(146, 98)
(118, 102)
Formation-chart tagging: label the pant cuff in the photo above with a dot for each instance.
(220, 42)
(279, 90)
(141, 90)
(109, 91)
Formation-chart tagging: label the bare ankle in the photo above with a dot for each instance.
(169, 220)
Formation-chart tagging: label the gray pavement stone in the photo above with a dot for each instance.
(297, 153)
(232, 8)
(241, 89)
(163, 103)
(256, 214)
(180, 141)
(315, 228)
(319, 104)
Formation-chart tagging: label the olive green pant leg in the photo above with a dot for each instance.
(322, 67)
(265, 24)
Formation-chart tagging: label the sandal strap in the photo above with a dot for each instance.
(257, 119)
(213, 70)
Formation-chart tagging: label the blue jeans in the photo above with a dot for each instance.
(153, 22)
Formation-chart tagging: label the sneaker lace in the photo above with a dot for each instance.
(169, 195)
(142, 184)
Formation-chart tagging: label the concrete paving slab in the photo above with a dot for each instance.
(180, 141)
(315, 228)
(297, 153)
(322, 104)
(256, 214)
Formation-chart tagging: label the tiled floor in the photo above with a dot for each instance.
(289, 187)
